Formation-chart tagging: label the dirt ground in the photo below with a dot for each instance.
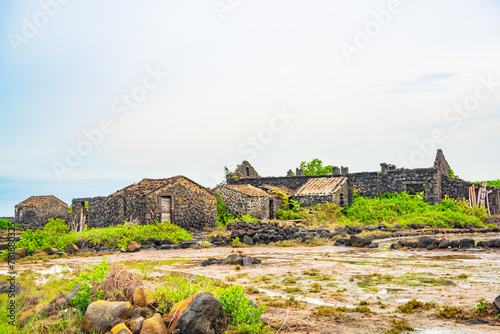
(381, 279)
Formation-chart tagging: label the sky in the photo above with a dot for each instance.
(97, 95)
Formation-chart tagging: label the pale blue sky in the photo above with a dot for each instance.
(226, 79)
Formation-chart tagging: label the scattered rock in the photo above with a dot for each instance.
(133, 247)
(248, 261)
(233, 259)
(50, 251)
(443, 243)
(72, 249)
(467, 243)
(154, 325)
(120, 329)
(187, 243)
(424, 242)
(247, 240)
(476, 321)
(10, 287)
(100, 315)
(135, 323)
(70, 295)
(359, 241)
(201, 313)
(40, 311)
(196, 246)
(20, 253)
(142, 296)
(496, 303)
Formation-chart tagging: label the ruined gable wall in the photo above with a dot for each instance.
(36, 217)
(193, 206)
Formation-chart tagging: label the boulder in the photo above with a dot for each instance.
(233, 259)
(496, 303)
(20, 253)
(201, 313)
(454, 244)
(143, 296)
(40, 311)
(467, 243)
(11, 287)
(187, 243)
(51, 251)
(154, 325)
(248, 261)
(443, 243)
(196, 246)
(120, 329)
(247, 240)
(424, 242)
(100, 315)
(135, 323)
(71, 249)
(133, 247)
(70, 295)
(359, 241)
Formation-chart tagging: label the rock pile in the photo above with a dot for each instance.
(443, 243)
(234, 259)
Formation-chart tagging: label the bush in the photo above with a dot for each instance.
(86, 279)
(6, 223)
(56, 234)
(244, 317)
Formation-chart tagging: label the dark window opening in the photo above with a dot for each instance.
(271, 208)
(248, 171)
(342, 203)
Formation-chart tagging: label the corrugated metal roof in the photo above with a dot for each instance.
(248, 189)
(321, 186)
(287, 191)
(36, 200)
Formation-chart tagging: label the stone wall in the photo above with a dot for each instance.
(245, 169)
(193, 207)
(35, 217)
(240, 204)
(373, 184)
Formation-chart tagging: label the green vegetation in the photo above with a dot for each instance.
(405, 209)
(223, 216)
(86, 280)
(315, 167)
(402, 209)
(482, 307)
(410, 279)
(413, 305)
(244, 318)
(451, 173)
(56, 234)
(6, 223)
(397, 326)
(495, 183)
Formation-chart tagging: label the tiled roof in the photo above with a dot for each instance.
(145, 187)
(37, 200)
(321, 186)
(247, 190)
(287, 191)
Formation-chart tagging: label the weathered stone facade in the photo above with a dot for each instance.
(435, 182)
(36, 211)
(190, 205)
(245, 169)
(241, 200)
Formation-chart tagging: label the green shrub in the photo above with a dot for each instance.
(56, 234)
(6, 223)
(244, 317)
(86, 279)
(223, 215)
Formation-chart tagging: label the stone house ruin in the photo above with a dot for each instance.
(247, 199)
(36, 211)
(323, 190)
(178, 200)
(435, 182)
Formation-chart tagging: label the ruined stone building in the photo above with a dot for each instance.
(36, 211)
(434, 182)
(247, 199)
(177, 199)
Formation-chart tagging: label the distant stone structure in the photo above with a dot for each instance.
(247, 199)
(178, 200)
(244, 170)
(434, 182)
(36, 211)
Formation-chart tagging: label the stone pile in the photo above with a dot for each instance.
(234, 259)
(443, 243)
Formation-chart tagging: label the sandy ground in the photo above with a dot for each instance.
(428, 276)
